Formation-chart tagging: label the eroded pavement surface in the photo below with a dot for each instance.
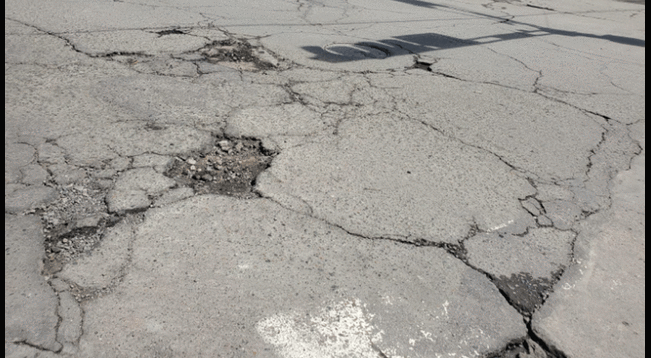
(394, 178)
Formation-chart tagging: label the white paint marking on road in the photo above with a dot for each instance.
(340, 330)
(501, 226)
(445, 307)
(427, 335)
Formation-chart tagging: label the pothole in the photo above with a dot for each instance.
(238, 52)
(73, 225)
(64, 248)
(228, 168)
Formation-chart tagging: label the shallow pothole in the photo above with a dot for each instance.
(64, 248)
(73, 225)
(230, 167)
(241, 53)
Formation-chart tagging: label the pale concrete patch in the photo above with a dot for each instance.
(385, 177)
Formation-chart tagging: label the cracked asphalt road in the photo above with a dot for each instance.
(288, 179)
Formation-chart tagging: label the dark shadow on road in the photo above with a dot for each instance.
(418, 3)
(425, 42)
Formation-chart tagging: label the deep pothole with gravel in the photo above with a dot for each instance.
(230, 167)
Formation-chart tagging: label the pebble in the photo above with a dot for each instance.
(225, 145)
(191, 161)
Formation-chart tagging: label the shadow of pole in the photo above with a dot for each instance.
(419, 43)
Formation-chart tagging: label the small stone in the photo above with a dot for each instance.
(238, 146)
(192, 167)
(206, 177)
(225, 145)
(191, 161)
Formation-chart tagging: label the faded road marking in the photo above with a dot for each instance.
(339, 330)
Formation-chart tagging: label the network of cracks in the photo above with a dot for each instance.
(76, 223)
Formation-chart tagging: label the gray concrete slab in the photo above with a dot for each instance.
(540, 252)
(30, 303)
(28, 198)
(599, 308)
(261, 278)
(406, 175)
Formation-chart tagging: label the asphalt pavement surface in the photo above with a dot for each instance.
(321, 179)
